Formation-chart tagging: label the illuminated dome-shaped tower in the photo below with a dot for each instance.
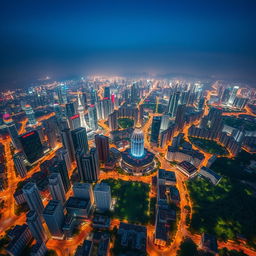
(137, 142)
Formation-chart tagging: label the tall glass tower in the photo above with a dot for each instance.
(80, 110)
(137, 142)
(30, 115)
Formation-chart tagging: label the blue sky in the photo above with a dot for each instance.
(195, 38)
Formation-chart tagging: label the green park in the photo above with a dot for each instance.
(132, 200)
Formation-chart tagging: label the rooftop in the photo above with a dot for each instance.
(51, 207)
(74, 202)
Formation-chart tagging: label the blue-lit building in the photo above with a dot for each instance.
(137, 142)
(137, 160)
(30, 115)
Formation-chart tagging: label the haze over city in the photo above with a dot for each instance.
(63, 39)
(128, 128)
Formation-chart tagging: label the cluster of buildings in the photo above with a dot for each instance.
(179, 152)
(61, 215)
(211, 128)
(167, 194)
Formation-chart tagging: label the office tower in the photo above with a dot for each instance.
(155, 129)
(94, 97)
(225, 96)
(137, 142)
(51, 138)
(134, 93)
(74, 122)
(184, 97)
(80, 140)
(18, 160)
(99, 110)
(54, 218)
(173, 103)
(107, 92)
(33, 198)
(93, 120)
(165, 122)
(38, 249)
(70, 109)
(56, 187)
(80, 110)
(84, 99)
(30, 115)
(240, 102)
(68, 143)
(35, 225)
(113, 120)
(60, 167)
(102, 196)
(233, 94)
(40, 131)
(141, 113)
(62, 154)
(62, 94)
(102, 146)
(31, 145)
(88, 165)
(180, 117)
(84, 191)
(106, 108)
(20, 238)
(200, 104)
(12, 131)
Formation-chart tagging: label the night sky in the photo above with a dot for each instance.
(201, 39)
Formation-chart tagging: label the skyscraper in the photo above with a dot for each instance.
(155, 129)
(18, 160)
(165, 122)
(60, 167)
(33, 198)
(93, 120)
(80, 140)
(134, 93)
(102, 196)
(94, 97)
(113, 121)
(56, 187)
(80, 110)
(84, 191)
(107, 92)
(68, 143)
(61, 93)
(88, 165)
(70, 109)
(180, 117)
(233, 95)
(173, 103)
(54, 218)
(102, 146)
(35, 225)
(74, 122)
(62, 154)
(12, 130)
(137, 142)
(30, 115)
(31, 145)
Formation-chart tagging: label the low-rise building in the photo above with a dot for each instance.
(187, 168)
(210, 175)
(78, 207)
